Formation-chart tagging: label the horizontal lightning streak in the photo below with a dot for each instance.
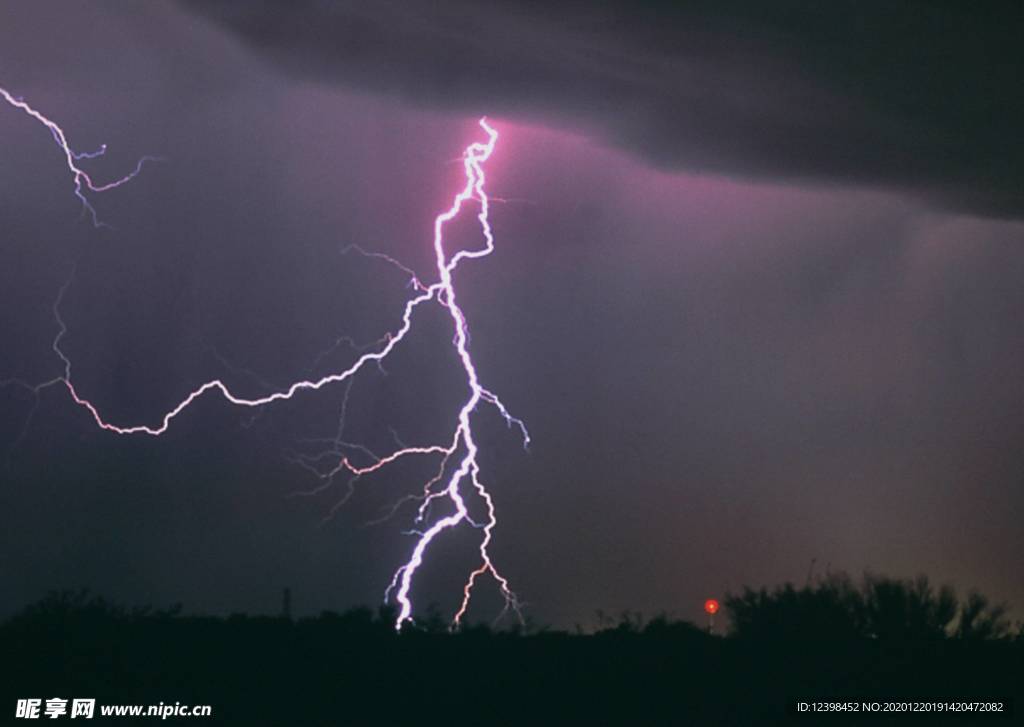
(443, 292)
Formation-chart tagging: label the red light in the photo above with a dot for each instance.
(711, 606)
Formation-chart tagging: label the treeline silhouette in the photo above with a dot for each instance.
(878, 639)
(878, 608)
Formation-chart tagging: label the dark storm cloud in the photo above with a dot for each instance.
(914, 96)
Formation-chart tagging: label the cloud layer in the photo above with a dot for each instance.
(914, 96)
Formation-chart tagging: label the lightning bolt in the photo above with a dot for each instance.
(82, 181)
(464, 479)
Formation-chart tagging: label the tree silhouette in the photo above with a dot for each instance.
(981, 620)
(881, 607)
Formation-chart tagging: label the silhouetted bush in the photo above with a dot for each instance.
(889, 609)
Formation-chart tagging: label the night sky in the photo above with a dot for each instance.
(757, 294)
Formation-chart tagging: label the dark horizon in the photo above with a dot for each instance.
(856, 649)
